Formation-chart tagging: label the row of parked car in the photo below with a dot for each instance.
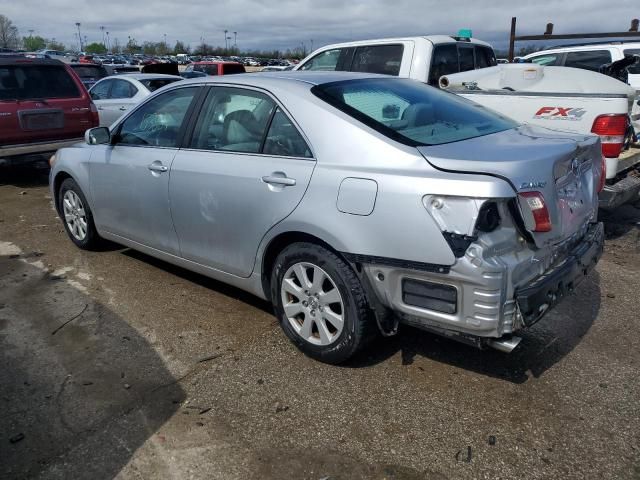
(350, 200)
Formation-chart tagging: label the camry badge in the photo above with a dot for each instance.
(526, 185)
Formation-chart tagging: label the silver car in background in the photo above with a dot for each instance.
(116, 95)
(350, 201)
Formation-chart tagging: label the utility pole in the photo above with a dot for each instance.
(102, 30)
(108, 43)
(79, 35)
(225, 40)
(235, 40)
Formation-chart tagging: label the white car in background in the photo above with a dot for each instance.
(116, 95)
(591, 56)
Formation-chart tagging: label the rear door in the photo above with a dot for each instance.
(41, 102)
(246, 168)
(118, 102)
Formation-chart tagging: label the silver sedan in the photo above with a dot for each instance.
(116, 95)
(353, 202)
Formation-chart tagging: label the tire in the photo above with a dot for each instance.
(339, 295)
(76, 216)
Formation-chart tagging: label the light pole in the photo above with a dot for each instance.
(225, 40)
(108, 43)
(102, 30)
(79, 35)
(166, 49)
(235, 40)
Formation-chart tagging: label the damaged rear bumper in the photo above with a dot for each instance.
(540, 296)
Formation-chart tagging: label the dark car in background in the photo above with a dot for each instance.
(43, 107)
(216, 67)
(89, 74)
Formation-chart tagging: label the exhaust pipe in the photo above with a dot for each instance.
(505, 345)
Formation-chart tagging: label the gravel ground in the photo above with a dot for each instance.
(115, 364)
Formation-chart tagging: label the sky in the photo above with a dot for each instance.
(282, 24)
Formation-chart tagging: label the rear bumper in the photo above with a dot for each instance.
(540, 296)
(37, 147)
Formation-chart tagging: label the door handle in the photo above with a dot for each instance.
(157, 167)
(100, 108)
(122, 109)
(286, 181)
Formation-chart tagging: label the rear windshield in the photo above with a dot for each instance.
(88, 71)
(29, 82)
(154, 84)
(411, 112)
(208, 69)
(230, 68)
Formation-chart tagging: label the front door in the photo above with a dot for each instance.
(130, 178)
(246, 168)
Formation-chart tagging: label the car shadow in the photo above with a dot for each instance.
(80, 389)
(542, 346)
(620, 221)
(34, 173)
(209, 283)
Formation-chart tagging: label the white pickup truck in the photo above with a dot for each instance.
(560, 98)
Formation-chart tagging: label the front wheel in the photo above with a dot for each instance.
(76, 215)
(320, 303)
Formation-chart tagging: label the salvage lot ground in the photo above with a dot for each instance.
(116, 364)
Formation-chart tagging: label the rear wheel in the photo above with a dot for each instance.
(76, 215)
(320, 303)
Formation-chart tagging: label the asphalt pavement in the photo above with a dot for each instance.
(115, 364)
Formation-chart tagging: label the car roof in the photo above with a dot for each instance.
(215, 62)
(435, 39)
(144, 76)
(302, 78)
(586, 47)
(22, 60)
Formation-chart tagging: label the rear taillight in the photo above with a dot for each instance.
(535, 202)
(611, 129)
(95, 119)
(603, 174)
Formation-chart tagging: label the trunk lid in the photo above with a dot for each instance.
(564, 168)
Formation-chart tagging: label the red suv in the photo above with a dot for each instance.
(215, 67)
(43, 107)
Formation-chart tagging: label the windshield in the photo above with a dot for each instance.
(154, 84)
(411, 112)
(88, 71)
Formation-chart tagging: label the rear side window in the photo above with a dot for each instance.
(384, 59)
(29, 82)
(588, 60)
(485, 57)
(122, 89)
(411, 112)
(465, 58)
(552, 59)
(231, 68)
(283, 138)
(154, 84)
(633, 69)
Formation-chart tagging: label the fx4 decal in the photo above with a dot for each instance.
(560, 113)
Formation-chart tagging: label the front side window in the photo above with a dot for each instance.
(411, 112)
(588, 60)
(233, 119)
(384, 59)
(326, 61)
(551, 60)
(100, 91)
(157, 122)
(444, 61)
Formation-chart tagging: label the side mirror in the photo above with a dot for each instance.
(97, 136)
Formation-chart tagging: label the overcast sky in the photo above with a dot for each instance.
(267, 24)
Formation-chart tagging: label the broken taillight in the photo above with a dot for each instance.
(535, 202)
(603, 174)
(611, 129)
